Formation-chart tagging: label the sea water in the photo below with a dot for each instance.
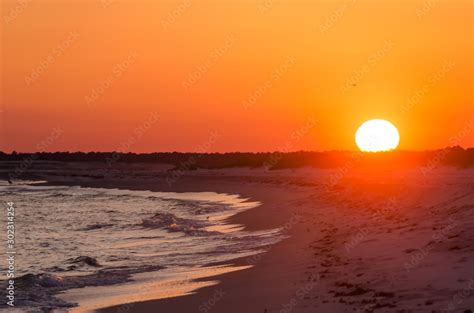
(121, 245)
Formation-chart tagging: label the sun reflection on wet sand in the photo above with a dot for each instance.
(146, 286)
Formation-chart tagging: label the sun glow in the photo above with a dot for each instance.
(377, 135)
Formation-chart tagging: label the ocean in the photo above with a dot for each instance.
(121, 245)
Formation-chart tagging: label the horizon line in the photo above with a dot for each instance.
(242, 152)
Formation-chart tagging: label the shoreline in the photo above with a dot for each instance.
(259, 218)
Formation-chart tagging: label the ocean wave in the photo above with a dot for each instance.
(39, 291)
(173, 223)
(75, 264)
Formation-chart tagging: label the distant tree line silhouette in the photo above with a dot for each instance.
(452, 156)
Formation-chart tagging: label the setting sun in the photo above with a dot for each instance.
(377, 135)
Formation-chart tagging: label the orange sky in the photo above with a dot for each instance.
(190, 75)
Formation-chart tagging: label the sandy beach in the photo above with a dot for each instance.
(358, 242)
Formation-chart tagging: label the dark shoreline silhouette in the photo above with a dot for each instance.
(452, 156)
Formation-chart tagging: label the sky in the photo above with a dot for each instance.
(220, 76)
